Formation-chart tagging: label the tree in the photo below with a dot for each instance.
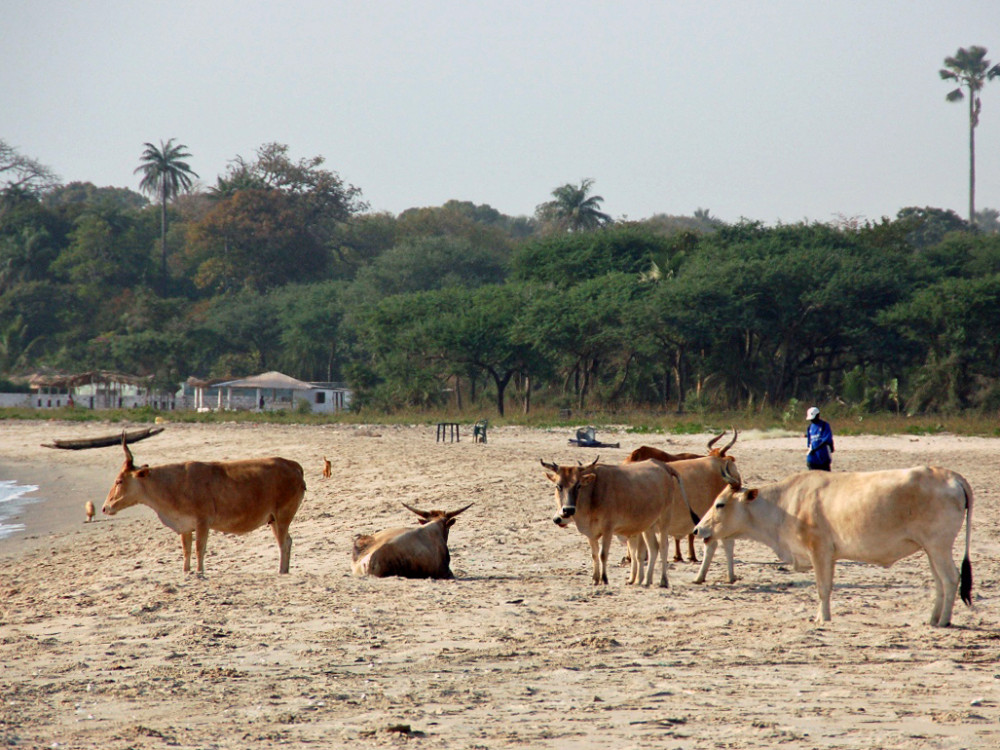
(573, 209)
(970, 69)
(164, 175)
(18, 172)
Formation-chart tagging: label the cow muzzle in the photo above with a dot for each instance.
(702, 533)
(561, 521)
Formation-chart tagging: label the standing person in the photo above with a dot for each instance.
(819, 437)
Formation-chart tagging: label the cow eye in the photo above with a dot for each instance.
(720, 506)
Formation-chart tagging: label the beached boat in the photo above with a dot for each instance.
(77, 444)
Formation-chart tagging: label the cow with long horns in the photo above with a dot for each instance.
(408, 552)
(644, 452)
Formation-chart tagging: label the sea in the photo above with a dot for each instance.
(13, 497)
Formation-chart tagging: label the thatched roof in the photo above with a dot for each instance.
(72, 380)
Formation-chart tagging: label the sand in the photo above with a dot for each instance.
(105, 642)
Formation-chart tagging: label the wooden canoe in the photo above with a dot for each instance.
(77, 444)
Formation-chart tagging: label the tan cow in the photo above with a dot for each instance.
(234, 497)
(816, 518)
(644, 452)
(89, 509)
(409, 552)
(626, 500)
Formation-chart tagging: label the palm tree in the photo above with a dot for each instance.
(970, 69)
(573, 209)
(164, 175)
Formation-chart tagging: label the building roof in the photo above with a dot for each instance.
(271, 379)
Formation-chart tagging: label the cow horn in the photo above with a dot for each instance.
(550, 466)
(730, 443)
(422, 513)
(593, 463)
(714, 440)
(129, 463)
(730, 479)
(452, 513)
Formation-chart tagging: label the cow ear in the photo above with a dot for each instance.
(587, 479)
(142, 471)
(552, 477)
(451, 522)
(751, 495)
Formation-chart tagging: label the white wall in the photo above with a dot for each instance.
(17, 399)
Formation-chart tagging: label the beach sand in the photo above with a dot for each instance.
(105, 642)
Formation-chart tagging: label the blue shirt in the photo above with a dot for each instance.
(819, 436)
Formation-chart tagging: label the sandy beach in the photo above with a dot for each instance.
(105, 642)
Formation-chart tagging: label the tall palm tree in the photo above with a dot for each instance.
(573, 209)
(970, 69)
(164, 175)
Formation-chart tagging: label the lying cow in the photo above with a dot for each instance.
(816, 518)
(625, 500)
(420, 552)
(234, 497)
(645, 452)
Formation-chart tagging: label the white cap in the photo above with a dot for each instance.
(812, 413)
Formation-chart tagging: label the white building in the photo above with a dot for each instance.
(267, 392)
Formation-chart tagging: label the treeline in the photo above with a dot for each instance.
(280, 266)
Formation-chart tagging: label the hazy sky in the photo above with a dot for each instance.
(778, 111)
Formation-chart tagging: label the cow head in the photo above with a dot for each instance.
(569, 480)
(721, 451)
(445, 518)
(728, 515)
(126, 491)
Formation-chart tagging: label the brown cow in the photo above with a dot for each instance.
(625, 500)
(327, 468)
(409, 552)
(234, 497)
(815, 518)
(644, 452)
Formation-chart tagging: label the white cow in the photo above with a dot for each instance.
(816, 518)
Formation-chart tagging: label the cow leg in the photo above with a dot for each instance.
(595, 553)
(201, 544)
(186, 544)
(729, 545)
(634, 555)
(284, 545)
(692, 557)
(706, 561)
(823, 562)
(664, 549)
(945, 586)
(678, 557)
(652, 551)
(606, 541)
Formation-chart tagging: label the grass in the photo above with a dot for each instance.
(845, 420)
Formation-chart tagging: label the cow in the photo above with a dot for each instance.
(327, 468)
(816, 518)
(625, 499)
(647, 451)
(234, 497)
(408, 552)
(89, 509)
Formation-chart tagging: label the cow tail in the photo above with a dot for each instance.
(694, 516)
(965, 586)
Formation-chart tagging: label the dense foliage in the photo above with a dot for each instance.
(280, 266)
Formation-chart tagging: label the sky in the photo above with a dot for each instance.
(778, 111)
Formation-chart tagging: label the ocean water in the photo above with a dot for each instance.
(12, 500)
